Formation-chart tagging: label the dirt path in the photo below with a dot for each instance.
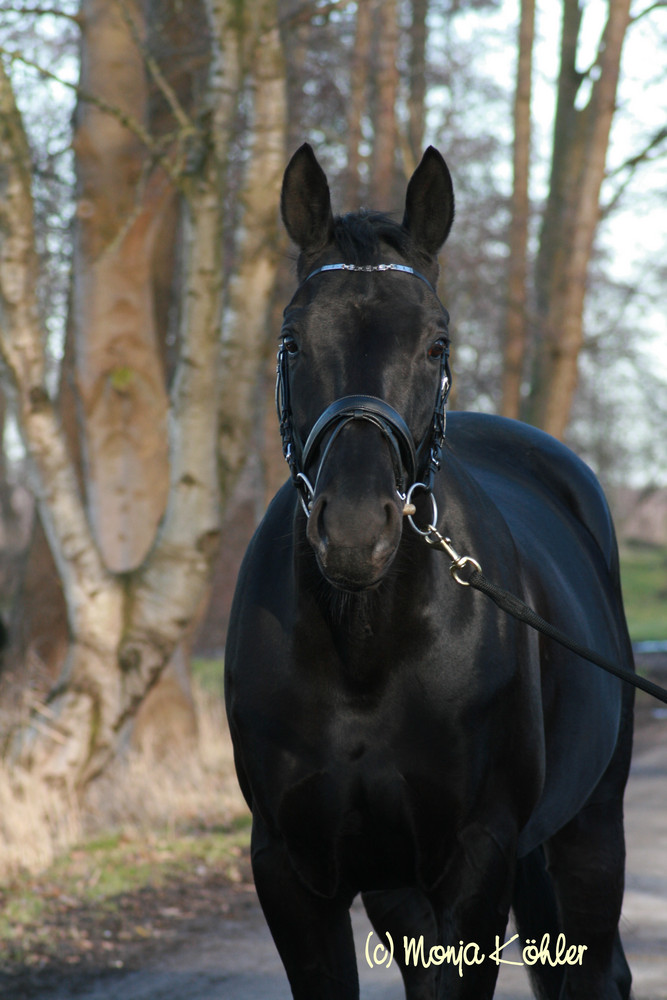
(229, 955)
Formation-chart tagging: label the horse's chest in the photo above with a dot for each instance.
(360, 809)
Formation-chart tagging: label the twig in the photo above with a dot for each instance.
(649, 10)
(41, 12)
(630, 165)
(634, 161)
(125, 119)
(187, 126)
(305, 12)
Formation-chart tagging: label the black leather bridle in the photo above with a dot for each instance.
(415, 465)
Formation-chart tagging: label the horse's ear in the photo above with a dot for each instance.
(429, 203)
(305, 202)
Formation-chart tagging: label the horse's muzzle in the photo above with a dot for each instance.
(354, 543)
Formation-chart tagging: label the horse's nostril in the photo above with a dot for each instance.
(386, 541)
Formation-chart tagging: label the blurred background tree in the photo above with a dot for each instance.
(142, 273)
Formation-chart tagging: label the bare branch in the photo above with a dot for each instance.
(40, 12)
(305, 12)
(649, 10)
(156, 148)
(630, 166)
(179, 113)
(634, 161)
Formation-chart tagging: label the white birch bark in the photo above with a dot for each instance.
(120, 375)
(125, 627)
(251, 286)
(94, 599)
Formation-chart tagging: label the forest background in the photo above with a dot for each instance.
(143, 270)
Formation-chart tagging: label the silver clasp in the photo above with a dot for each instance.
(306, 492)
(434, 538)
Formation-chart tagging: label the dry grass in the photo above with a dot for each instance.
(36, 824)
(192, 788)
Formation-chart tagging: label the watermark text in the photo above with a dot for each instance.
(380, 953)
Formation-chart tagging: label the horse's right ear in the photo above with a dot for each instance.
(429, 203)
(305, 202)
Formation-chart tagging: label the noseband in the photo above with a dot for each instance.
(415, 466)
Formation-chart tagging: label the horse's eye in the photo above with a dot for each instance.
(290, 344)
(437, 349)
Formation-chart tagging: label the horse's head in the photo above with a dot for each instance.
(361, 363)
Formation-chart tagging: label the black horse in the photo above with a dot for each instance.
(396, 734)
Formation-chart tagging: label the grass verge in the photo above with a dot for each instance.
(150, 832)
(118, 894)
(644, 580)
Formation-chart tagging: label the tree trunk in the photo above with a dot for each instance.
(251, 287)
(581, 139)
(94, 600)
(119, 370)
(383, 162)
(516, 318)
(416, 85)
(295, 36)
(359, 80)
(118, 355)
(125, 626)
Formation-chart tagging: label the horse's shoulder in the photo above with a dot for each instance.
(268, 557)
(534, 464)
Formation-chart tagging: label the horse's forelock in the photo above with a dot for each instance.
(361, 237)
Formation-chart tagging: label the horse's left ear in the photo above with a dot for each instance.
(305, 202)
(429, 203)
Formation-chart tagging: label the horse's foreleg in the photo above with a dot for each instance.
(472, 904)
(313, 935)
(406, 914)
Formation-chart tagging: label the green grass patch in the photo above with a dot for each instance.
(97, 876)
(644, 580)
(209, 674)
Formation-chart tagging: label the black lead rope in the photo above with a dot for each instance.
(522, 612)
(517, 609)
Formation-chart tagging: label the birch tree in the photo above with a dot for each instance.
(127, 614)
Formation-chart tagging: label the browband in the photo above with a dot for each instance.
(370, 267)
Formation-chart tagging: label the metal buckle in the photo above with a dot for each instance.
(434, 510)
(306, 492)
(439, 541)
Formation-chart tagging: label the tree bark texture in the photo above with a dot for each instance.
(127, 278)
(125, 624)
(416, 85)
(249, 294)
(516, 336)
(120, 373)
(383, 162)
(360, 65)
(94, 600)
(581, 139)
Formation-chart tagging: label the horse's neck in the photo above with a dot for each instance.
(365, 632)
